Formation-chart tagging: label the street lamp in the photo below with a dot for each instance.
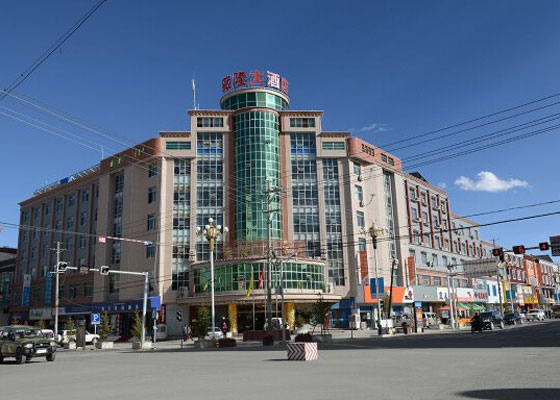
(374, 232)
(450, 295)
(211, 232)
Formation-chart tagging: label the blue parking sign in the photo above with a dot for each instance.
(95, 318)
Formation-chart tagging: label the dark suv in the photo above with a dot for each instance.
(491, 320)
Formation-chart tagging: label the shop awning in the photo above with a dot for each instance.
(465, 306)
(446, 308)
(477, 307)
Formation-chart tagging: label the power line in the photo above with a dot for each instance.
(45, 55)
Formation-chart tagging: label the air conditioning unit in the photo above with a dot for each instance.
(361, 203)
(329, 288)
(415, 220)
(360, 178)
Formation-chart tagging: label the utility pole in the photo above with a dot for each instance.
(280, 263)
(373, 232)
(56, 301)
(269, 197)
(450, 296)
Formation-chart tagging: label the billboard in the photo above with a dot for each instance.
(555, 245)
(481, 267)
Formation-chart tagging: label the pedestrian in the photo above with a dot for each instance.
(224, 327)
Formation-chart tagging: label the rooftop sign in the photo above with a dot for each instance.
(480, 267)
(242, 80)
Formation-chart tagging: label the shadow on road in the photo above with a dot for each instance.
(517, 394)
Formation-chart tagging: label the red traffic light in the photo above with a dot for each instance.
(518, 249)
(498, 252)
(544, 246)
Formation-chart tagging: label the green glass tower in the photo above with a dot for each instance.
(257, 164)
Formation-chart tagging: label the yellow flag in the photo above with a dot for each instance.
(250, 288)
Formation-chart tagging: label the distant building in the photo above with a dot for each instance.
(7, 267)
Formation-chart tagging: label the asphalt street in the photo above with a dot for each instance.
(517, 363)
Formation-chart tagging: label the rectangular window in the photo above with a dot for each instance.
(444, 261)
(58, 205)
(391, 161)
(333, 145)
(47, 209)
(152, 170)
(113, 283)
(71, 200)
(436, 280)
(383, 157)
(357, 169)
(424, 256)
(152, 194)
(435, 261)
(151, 222)
(414, 214)
(205, 122)
(302, 122)
(177, 145)
(73, 291)
(359, 193)
(83, 218)
(69, 222)
(150, 251)
(425, 280)
(82, 242)
(85, 196)
(88, 289)
(362, 244)
(361, 219)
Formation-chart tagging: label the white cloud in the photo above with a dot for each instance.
(487, 181)
(442, 185)
(374, 127)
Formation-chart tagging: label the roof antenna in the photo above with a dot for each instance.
(194, 92)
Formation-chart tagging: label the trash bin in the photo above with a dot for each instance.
(406, 329)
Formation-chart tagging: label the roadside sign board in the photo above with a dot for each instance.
(555, 245)
(482, 267)
(95, 318)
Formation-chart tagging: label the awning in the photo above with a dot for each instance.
(477, 307)
(446, 308)
(464, 306)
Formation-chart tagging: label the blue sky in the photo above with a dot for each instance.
(385, 70)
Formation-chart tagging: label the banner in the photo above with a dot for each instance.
(48, 289)
(411, 270)
(26, 290)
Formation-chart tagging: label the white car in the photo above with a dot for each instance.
(63, 337)
(535, 315)
(218, 334)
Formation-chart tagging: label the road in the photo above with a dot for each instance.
(517, 363)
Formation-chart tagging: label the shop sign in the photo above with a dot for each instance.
(408, 296)
(464, 294)
(44, 313)
(481, 267)
(255, 78)
(442, 294)
(480, 295)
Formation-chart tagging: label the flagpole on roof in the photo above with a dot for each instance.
(194, 92)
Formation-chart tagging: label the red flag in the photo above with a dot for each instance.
(261, 279)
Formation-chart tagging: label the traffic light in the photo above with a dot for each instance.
(498, 252)
(61, 266)
(104, 270)
(518, 249)
(544, 246)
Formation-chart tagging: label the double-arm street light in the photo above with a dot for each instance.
(212, 232)
(374, 231)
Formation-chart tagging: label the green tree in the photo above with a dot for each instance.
(202, 322)
(41, 324)
(319, 313)
(385, 303)
(105, 327)
(137, 326)
(70, 326)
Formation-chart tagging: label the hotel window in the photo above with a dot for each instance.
(425, 219)
(68, 244)
(152, 170)
(359, 193)
(33, 253)
(206, 122)
(71, 200)
(383, 157)
(424, 257)
(425, 280)
(150, 251)
(88, 289)
(435, 261)
(58, 205)
(37, 214)
(391, 161)
(69, 222)
(58, 225)
(302, 122)
(436, 280)
(357, 169)
(361, 219)
(414, 214)
(152, 194)
(333, 145)
(83, 218)
(177, 146)
(416, 237)
(85, 196)
(82, 242)
(303, 144)
(24, 236)
(151, 222)
(444, 261)
(47, 209)
(412, 253)
(82, 262)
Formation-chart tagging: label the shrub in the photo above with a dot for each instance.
(300, 321)
(70, 326)
(267, 339)
(227, 342)
(304, 337)
(137, 326)
(213, 343)
(105, 327)
(41, 324)
(200, 326)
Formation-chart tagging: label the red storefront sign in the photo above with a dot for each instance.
(363, 265)
(410, 262)
(256, 78)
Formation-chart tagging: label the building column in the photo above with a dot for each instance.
(290, 312)
(232, 315)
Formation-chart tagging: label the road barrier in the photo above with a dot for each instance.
(302, 351)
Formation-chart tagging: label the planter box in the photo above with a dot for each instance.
(258, 335)
(138, 346)
(302, 351)
(104, 345)
(202, 344)
(70, 345)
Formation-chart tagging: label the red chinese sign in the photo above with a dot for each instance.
(254, 78)
(363, 264)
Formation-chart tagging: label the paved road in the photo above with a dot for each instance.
(517, 363)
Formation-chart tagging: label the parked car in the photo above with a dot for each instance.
(536, 315)
(218, 334)
(513, 318)
(25, 342)
(431, 320)
(64, 337)
(48, 333)
(276, 324)
(491, 320)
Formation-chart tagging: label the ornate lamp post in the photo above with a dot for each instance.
(211, 232)
(373, 231)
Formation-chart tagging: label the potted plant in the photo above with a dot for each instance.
(104, 332)
(137, 333)
(70, 328)
(319, 313)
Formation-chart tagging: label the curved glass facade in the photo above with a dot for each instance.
(238, 277)
(254, 99)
